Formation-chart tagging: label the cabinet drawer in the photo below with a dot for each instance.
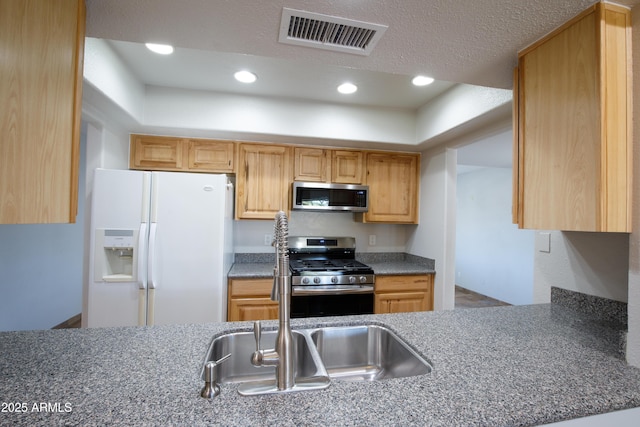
(250, 287)
(247, 309)
(404, 283)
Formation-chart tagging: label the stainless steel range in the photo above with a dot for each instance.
(326, 278)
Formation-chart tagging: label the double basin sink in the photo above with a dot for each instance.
(352, 353)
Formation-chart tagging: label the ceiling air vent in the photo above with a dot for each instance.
(329, 32)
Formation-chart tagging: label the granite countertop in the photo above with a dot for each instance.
(260, 266)
(516, 366)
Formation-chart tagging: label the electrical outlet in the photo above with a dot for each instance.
(268, 238)
(372, 239)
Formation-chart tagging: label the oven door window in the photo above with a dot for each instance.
(331, 305)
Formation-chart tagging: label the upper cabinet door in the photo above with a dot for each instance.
(40, 94)
(573, 144)
(210, 156)
(263, 180)
(393, 181)
(346, 166)
(150, 152)
(310, 164)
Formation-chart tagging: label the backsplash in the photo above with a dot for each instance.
(602, 308)
(249, 235)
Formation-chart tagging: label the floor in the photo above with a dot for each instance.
(74, 322)
(469, 299)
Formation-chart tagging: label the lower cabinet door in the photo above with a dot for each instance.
(242, 309)
(401, 302)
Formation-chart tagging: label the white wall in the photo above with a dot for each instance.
(493, 257)
(435, 236)
(592, 263)
(241, 114)
(104, 70)
(456, 107)
(41, 280)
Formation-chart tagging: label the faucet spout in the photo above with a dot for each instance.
(282, 357)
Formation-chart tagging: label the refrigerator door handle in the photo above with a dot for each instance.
(142, 236)
(142, 278)
(152, 253)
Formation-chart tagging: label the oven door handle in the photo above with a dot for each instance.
(332, 290)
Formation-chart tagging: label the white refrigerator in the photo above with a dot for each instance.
(161, 248)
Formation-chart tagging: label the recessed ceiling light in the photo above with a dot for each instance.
(245, 76)
(162, 49)
(422, 80)
(347, 88)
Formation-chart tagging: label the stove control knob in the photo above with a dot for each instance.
(363, 279)
(352, 279)
(305, 280)
(334, 279)
(316, 280)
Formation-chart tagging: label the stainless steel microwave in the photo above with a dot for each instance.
(317, 196)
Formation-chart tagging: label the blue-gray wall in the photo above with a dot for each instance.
(493, 257)
(41, 270)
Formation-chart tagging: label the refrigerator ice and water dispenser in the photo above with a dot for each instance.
(115, 255)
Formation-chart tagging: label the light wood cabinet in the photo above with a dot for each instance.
(346, 166)
(311, 164)
(328, 165)
(40, 93)
(149, 152)
(402, 294)
(393, 180)
(250, 299)
(264, 173)
(167, 153)
(210, 156)
(572, 140)
(263, 180)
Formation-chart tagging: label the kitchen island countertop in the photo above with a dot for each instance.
(518, 365)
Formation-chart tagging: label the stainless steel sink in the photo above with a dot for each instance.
(366, 353)
(241, 345)
(353, 353)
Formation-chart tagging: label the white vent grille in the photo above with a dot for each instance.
(329, 32)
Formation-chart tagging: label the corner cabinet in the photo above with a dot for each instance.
(393, 180)
(40, 93)
(572, 126)
(403, 294)
(167, 153)
(263, 180)
(250, 299)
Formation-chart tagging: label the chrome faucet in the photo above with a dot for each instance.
(282, 357)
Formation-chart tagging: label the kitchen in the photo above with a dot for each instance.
(432, 223)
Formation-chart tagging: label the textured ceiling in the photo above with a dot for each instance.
(463, 41)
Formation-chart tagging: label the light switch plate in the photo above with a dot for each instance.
(543, 241)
